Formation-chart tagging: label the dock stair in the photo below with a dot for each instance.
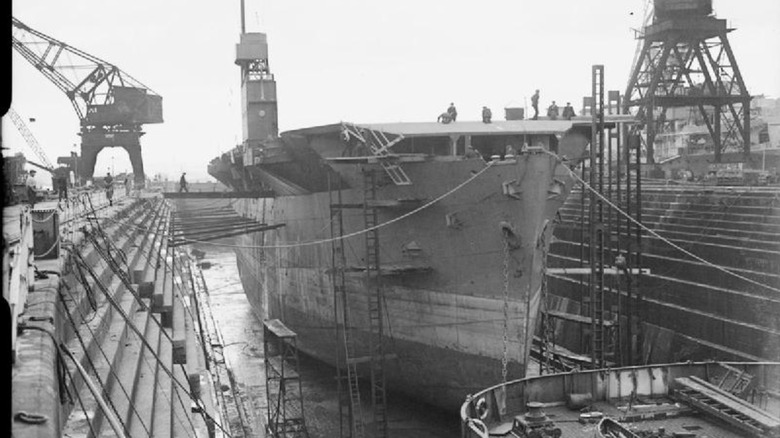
(126, 326)
(714, 401)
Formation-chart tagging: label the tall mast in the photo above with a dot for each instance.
(258, 87)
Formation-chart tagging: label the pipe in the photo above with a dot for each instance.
(95, 393)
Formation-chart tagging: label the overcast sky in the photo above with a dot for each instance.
(352, 60)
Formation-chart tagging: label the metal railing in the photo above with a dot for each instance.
(19, 254)
(18, 272)
(499, 404)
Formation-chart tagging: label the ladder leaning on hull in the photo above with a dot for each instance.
(375, 299)
(349, 401)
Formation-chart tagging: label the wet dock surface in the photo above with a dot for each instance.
(243, 335)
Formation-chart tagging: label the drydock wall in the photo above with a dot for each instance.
(692, 310)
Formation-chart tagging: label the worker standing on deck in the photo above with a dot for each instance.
(552, 111)
(486, 114)
(535, 105)
(31, 189)
(109, 188)
(568, 111)
(444, 118)
(61, 183)
(183, 184)
(127, 186)
(452, 112)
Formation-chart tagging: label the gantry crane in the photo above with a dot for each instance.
(110, 104)
(686, 61)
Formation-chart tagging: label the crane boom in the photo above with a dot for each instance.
(100, 92)
(647, 18)
(111, 105)
(32, 142)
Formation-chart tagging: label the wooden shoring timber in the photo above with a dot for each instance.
(205, 218)
(210, 231)
(219, 195)
(209, 220)
(186, 214)
(216, 225)
(207, 237)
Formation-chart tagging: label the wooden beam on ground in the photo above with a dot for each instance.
(179, 241)
(575, 318)
(228, 225)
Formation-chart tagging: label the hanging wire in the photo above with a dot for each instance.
(130, 324)
(109, 261)
(62, 348)
(356, 233)
(81, 404)
(105, 356)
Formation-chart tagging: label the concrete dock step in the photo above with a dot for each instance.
(164, 397)
(149, 390)
(144, 398)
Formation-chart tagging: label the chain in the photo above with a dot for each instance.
(504, 358)
(547, 329)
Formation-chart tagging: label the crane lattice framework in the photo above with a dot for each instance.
(686, 61)
(110, 104)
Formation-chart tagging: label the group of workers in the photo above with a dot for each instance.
(553, 112)
(60, 185)
(59, 182)
(451, 115)
(448, 116)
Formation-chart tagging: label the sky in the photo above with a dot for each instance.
(352, 60)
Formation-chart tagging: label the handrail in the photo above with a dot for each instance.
(19, 255)
(20, 274)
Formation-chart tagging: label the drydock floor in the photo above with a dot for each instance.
(243, 335)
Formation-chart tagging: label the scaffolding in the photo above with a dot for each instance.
(610, 243)
(596, 223)
(284, 392)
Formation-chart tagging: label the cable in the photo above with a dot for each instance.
(146, 344)
(168, 399)
(79, 262)
(96, 394)
(663, 239)
(83, 409)
(108, 362)
(356, 233)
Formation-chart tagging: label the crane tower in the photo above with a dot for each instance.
(686, 61)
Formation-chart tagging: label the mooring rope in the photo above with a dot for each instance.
(663, 239)
(356, 233)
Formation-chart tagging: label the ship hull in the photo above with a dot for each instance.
(461, 276)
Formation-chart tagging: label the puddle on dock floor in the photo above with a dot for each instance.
(243, 332)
